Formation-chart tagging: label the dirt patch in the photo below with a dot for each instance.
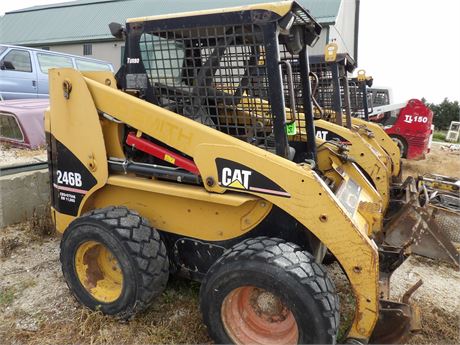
(438, 297)
(13, 155)
(36, 306)
(7, 245)
(346, 297)
(439, 161)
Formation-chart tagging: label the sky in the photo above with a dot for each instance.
(410, 46)
(6, 6)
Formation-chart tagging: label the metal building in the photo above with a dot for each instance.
(81, 27)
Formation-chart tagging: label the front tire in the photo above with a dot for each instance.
(268, 291)
(113, 261)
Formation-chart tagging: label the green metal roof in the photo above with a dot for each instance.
(87, 20)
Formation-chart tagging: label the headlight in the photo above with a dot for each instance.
(348, 194)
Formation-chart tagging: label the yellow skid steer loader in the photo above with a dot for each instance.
(165, 170)
(430, 214)
(436, 197)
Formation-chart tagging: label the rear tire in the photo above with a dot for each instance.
(113, 261)
(402, 145)
(268, 291)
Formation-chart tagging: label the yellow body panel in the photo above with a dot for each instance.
(385, 142)
(112, 131)
(82, 135)
(369, 211)
(215, 217)
(369, 137)
(311, 202)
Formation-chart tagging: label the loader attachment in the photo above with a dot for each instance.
(397, 319)
(428, 229)
(440, 182)
(443, 198)
(447, 221)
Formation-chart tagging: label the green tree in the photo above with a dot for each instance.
(444, 113)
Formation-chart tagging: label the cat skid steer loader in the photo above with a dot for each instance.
(358, 108)
(438, 194)
(185, 164)
(426, 229)
(434, 210)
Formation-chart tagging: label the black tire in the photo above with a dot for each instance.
(137, 247)
(402, 144)
(284, 270)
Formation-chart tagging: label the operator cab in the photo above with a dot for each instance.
(226, 72)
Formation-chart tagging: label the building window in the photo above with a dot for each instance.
(87, 49)
(85, 65)
(45, 48)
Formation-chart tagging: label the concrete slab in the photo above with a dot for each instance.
(23, 194)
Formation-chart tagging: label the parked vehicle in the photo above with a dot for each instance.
(21, 122)
(409, 125)
(24, 71)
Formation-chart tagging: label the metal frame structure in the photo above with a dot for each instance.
(229, 69)
(332, 89)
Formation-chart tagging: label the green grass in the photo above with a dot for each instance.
(441, 136)
(7, 295)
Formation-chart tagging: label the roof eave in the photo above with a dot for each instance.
(63, 42)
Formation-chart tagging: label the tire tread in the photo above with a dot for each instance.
(130, 229)
(296, 262)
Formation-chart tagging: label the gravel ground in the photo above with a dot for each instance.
(36, 306)
(10, 155)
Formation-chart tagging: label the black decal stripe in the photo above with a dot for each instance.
(66, 198)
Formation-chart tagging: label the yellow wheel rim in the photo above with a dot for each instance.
(99, 271)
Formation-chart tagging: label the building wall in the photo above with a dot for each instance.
(318, 48)
(107, 51)
(343, 32)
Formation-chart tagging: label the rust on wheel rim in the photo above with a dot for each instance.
(255, 316)
(99, 271)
